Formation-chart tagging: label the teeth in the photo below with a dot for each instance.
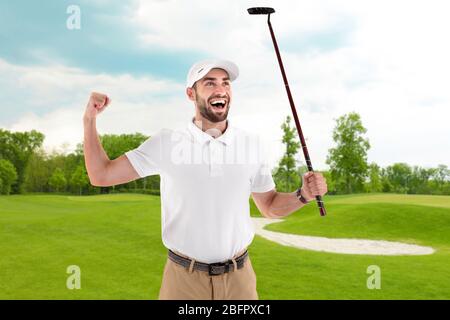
(218, 101)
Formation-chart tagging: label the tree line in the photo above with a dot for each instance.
(349, 170)
(26, 168)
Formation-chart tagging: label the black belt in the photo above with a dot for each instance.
(214, 269)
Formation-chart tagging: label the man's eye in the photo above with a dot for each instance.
(209, 83)
(227, 83)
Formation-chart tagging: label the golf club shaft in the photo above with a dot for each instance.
(294, 112)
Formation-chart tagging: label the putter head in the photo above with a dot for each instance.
(260, 10)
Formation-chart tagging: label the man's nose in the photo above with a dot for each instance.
(220, 90)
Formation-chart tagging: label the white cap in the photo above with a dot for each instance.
(201, 68)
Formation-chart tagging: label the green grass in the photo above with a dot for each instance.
(116, 241)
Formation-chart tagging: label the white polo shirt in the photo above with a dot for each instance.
(205, 187)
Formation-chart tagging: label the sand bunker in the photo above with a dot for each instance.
(346, 246)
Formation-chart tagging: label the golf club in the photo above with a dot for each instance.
(268, 11)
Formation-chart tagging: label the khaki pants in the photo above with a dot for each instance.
(180, 283)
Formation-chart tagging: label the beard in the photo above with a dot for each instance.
(210, 113)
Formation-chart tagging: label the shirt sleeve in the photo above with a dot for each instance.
(262, 180)
(146, 159)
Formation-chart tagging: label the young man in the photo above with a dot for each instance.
(208, 171)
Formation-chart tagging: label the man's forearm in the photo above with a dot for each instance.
(95, 156)
(284, 203)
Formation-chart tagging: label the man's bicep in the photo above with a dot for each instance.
(118, 171)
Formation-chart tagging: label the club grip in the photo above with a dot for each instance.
(321, 206)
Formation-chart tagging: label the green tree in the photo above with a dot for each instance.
(57, 180)
(375, 183)
(37, 172)
(441, 179)
(116, 145)
(80, 178)
(418, 180)
(331, 185)
(18, 147)
(8, 175)
(385, 183)
(399, 176)
(286, 173)
(348, 160)
(68, 163)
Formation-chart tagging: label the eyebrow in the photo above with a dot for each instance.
(206, 79)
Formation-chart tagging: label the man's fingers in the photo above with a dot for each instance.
(308, 174)
(99, 103)
(312, 174)
(315, 176)
(99, 99)
(316, 184)
(318, 191)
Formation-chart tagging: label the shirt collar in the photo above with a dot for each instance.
(202, 137)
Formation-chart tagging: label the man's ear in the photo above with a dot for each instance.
(190, 93)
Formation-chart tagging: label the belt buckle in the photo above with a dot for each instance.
(215, 269)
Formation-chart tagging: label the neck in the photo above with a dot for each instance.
(215, 129)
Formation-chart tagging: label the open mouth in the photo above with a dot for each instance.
(218, 104)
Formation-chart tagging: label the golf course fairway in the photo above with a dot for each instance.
(115, 240)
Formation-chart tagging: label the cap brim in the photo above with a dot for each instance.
(230, 67)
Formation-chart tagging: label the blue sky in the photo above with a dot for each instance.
(35, 33)
(371, 57)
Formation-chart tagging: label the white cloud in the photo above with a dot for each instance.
(138, 104)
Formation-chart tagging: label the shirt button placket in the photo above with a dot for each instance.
(214, 166)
